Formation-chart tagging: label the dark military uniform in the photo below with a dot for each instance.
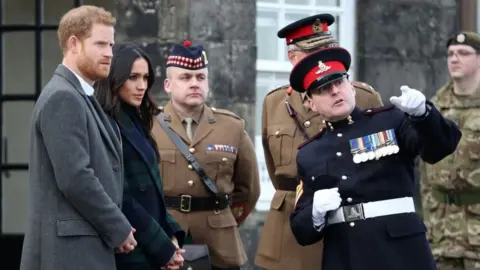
(287, 123)
(369, 156)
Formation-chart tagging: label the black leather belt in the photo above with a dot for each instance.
(288, 184)
(187, 203)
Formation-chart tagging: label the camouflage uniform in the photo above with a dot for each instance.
(451, 188)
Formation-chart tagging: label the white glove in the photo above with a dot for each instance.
(324, 200)
(411, 101)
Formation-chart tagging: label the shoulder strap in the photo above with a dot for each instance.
(207, 182)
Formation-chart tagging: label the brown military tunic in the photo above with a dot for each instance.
(281, 136)
(454, 229)
(226, 153)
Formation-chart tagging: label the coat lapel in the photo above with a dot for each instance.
(310, 120)
(102, 122)
(129, 132)
(174, 122)
(204, 126)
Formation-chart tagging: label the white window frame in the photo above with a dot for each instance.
(346, 31)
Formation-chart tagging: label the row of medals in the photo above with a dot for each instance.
(381, 151)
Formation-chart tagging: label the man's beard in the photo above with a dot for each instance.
(90, 69)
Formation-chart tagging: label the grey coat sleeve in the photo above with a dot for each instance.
(63, 125)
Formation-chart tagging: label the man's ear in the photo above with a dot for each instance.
(166, 85)
(292, 57)
(311, 103)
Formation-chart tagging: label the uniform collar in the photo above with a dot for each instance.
(355, 115)
(195, 118)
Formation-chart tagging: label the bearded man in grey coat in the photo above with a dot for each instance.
(76, 166)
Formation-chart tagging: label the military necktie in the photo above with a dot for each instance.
(188, 120)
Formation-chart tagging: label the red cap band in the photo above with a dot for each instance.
(321, 70)
(305, 31)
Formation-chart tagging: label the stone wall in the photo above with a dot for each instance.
(402, 42)
(226, 28)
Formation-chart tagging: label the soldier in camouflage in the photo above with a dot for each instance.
(451, 188)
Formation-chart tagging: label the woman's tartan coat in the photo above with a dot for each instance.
(143, 202)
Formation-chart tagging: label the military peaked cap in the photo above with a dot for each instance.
(465, 38)
(187, 56)
(309, 32)
(320, 68)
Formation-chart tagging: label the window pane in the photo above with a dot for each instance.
(297, 2)
(14, 202)
(53, 10)
(18, 63)
(292, 17)
(16, 130)
(328, 2)
(267, 27)
(18, 11)
(51, 55)
(334, 27)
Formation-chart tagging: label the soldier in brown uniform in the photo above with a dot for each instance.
(286, 123)
(217, 139)
(451, 188)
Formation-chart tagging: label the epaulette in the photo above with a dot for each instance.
(373, 111)
(316, 136)
(364, 86)
(284, 87)
(225, 112)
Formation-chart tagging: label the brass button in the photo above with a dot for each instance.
(349, 200)
(214, 109)
(339, 135)
(277, 132)
(339, 154)
(190, 166)
(192, 150)
(352, 224)
(224, 159)
(344, 177)
(306, 124)
(190, 183)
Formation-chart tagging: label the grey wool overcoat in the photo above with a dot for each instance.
(76, 184)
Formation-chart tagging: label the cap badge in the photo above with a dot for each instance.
(205, 57)
(317, 26)
(322, 67)
(460, 38)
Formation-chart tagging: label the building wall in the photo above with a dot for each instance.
(402, 42)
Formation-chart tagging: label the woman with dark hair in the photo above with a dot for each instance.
(126, 98)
